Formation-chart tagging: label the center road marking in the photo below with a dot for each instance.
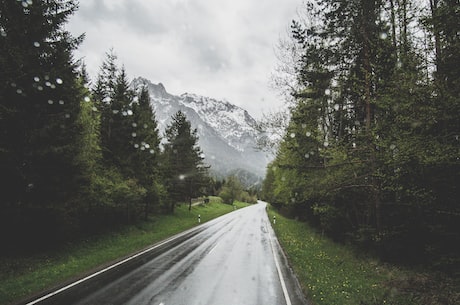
(283, 283)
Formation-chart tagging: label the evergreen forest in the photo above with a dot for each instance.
(78, 157)
(370, 155)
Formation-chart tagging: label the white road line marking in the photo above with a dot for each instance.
(213, 248)
(106, 269)
(283, 283)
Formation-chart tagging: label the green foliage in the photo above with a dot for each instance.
(371, 151)
(331, 273)
(184, 172)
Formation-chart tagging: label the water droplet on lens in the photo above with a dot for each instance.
(152, 151)
(326, 144)
(124, 113)
(51, 102)
(134, 124)
(136, 145)
(107, 99)
(39, 88)
(36, 78)
(147, 146)
(59, 81)
(87, 99)
(19, 91)
(392, 146)
(115, 111)
(36, 44)
(47, 84)
(383, 35)
(130, 112)
(134, 135)
(145, 126)
(94, 108)
(327, 91)
(67, 116)
(61, 102)
(292, 135)
(308, 134)
(336, 107)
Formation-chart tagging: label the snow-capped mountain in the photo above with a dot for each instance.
(226, 132)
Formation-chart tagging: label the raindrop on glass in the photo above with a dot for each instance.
(136, 145)
(107, 99)
(147, 146)
(3, 32)
(327, 91)
(36, 44)
(36, 79)
(51, 102)
(145, 126)
(383, 35)
(304, 125)
(59, 81)
(152, 151)
(19, 91)
(67, 116)
(135, 99)
(292, 135)
(115, 111)
(47, 84)
(61, 102)
(40, 88)
(142, 148)
(124, 113)
(25, 4)
(87, 99)
(392, 146)
(53, 86)
(130, 112)
(134, 135)
(134, 124)
(326, 144)
(307, 156)
(308, 134)
(336, 107)
(94, 108)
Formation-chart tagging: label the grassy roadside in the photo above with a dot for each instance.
(23, 276)
(332, 274)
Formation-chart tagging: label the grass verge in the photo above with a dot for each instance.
(333, 274)
(23, 276)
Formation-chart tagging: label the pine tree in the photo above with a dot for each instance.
(146, 143)
(40, 105)
(185, 171)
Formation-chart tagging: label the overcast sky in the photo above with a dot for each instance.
(223, 49)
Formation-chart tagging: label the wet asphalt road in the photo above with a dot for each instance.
(234, 259)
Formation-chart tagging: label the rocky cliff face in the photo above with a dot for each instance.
(227, 133)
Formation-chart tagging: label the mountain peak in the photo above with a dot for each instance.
(226, 132)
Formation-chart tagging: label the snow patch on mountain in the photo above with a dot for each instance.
(227, 133)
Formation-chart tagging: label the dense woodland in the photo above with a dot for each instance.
(371, 153)
(78, 157)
